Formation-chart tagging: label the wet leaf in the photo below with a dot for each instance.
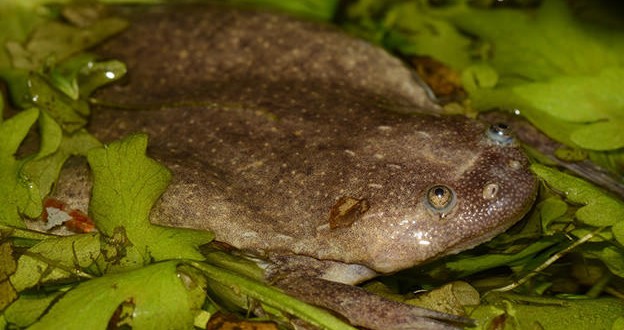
(71, 115)
(42, 169)
(126, 185)
(509, 311)
(230, 322)
(563, 73)
(612, 257)
(57, 40)
(56, 259)
(410, 28)
(28, 308)
(17, 19)
(169, 303)
(553, 65)
(322, 10)
(551, 209)
(240, 286)
(7, 292)
(587, 108)
(599, 208)
(450, 298)
(14, 200)
(465, 266)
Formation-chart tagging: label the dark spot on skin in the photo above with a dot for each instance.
(346, 211)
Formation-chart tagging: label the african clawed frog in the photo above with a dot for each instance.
(304, 146)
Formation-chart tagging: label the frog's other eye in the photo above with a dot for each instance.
(500, 133)
(440, 199)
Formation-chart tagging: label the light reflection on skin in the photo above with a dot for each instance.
(419, 236)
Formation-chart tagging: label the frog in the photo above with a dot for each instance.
(315, 151)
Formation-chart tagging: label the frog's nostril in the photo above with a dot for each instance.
(440, 199)
(490, 190)
(500, 133)
(515, 165)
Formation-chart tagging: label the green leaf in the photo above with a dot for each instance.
(78, 76)
(563, 74)
(17, 19)
(57, 40)
(97, 74)
(585, 110)
(126, 185)
(510, 311)
(586, 98)
(599, 208)
(29, 180)
(410, 28)
(479, 76)
(28, 308)
(618, 232)
(421, 33)
(55, 259)
(33, 40)
(270, 296)
(51, 135)
(601, 135)
(70, 114)
(9, 264)
(541, 44)
(42, 170)
(14, 130)
(551, 209)
(469, 265)
(318, 9)
(15, 189)
(612, 257)
(158, 296)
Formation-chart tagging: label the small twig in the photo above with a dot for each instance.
(55, 264)
(549, 261)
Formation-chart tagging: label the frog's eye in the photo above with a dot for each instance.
(500, 133)
(440, 199)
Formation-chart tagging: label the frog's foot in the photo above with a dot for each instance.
(366, 309)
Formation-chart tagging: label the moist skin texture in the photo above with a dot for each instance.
(293, 141)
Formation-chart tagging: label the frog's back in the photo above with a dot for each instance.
(280, 140)
(193, 54)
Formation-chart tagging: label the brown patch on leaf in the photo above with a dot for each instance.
(346, 211)
(220, 321)
(7, 268)
(77, 221)
(122, 317)
(443, 81)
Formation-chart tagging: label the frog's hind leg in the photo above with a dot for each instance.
(358, 306)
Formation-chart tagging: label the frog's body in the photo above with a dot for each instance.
(281, 141)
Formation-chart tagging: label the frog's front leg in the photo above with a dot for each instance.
(314, 282)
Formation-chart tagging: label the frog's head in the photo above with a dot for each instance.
(473, 191)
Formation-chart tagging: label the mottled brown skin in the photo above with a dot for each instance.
(267, 122)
